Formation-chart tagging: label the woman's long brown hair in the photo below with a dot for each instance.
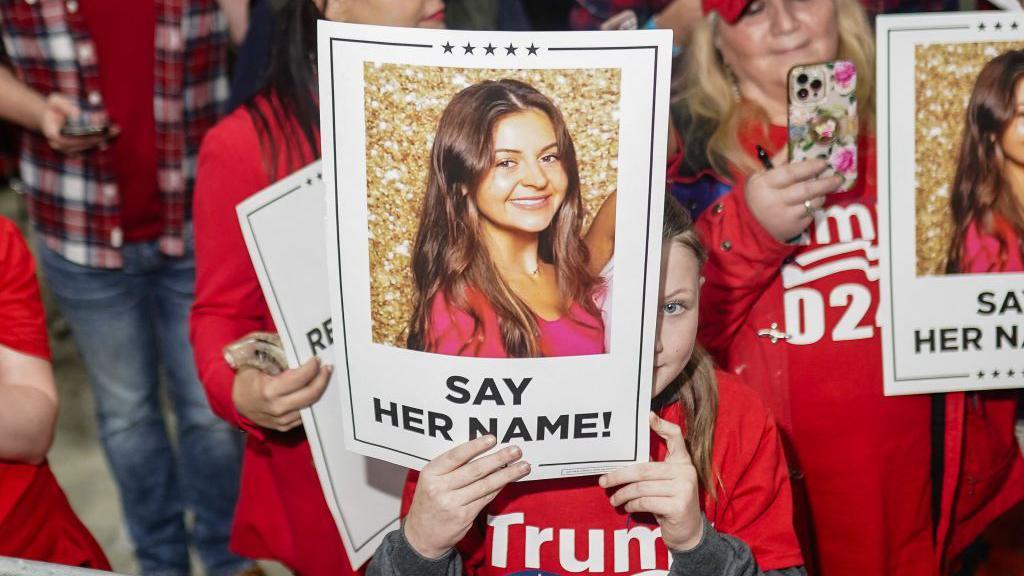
(696, 388)
(450, 257)
(980, 194)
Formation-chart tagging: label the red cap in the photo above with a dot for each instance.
(728, 10)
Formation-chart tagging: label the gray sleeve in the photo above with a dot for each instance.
(722, 555)
(396, 557)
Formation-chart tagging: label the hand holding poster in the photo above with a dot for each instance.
(469, 176)
(951, 259)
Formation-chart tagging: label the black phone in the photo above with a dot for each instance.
(74, 129)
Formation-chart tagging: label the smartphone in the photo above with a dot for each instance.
(73, 128)
(823, 117)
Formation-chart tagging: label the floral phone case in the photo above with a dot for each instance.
(823, 117)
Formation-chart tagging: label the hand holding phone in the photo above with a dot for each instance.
(59, 124)
(823, 117)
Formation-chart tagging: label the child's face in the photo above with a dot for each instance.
(677, 313)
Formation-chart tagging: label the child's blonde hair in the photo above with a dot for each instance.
(696, 387)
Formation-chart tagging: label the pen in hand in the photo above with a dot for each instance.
(762, 155)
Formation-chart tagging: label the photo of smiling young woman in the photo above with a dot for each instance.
(499, 264)
(987, 196)
(966, 219)
(402, 110)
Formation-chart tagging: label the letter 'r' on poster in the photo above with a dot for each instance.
(473, 288)
(951, 271)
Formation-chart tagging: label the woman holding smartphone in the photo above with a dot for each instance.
(499, 264)
(883, 485)
(713, 500)
(281, 512)
(987, 200)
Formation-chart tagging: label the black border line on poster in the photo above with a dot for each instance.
(295, 350)
(337, 215)
(888, 152)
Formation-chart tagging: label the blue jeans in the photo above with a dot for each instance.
(127, 323)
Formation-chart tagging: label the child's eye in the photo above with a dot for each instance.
(549, 158)
(505, 163)
(673, 308)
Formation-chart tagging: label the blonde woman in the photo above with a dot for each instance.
(883, 485)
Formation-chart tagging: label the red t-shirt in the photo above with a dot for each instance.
(21, 310)
(36, 521)
(565, 526)
(127, 58)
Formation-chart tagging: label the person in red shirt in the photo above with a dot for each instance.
(714, 499)
(882, 485)
(36, 521)
(281, 512)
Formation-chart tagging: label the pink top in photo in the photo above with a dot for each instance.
(982, 250)
(576, 333)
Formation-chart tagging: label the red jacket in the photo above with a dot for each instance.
(281, 512)
(860, 461)
(559, 526)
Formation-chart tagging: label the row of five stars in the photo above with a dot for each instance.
(510, 50)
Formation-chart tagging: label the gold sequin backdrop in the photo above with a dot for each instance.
(944, 77)
(403, 104)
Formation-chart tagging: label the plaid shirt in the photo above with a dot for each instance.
(74, 200)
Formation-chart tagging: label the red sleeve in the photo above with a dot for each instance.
(757, 499)
(21, 309)
(743, 259)
(409, 490)
(229, 302)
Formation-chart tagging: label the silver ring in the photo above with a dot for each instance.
(809, 209)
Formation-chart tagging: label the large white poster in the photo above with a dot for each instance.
(284, 231)
(464, 171)
(949, 134)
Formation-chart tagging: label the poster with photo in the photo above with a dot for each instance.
(951, 201)
(494, 232)
(283, 228)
